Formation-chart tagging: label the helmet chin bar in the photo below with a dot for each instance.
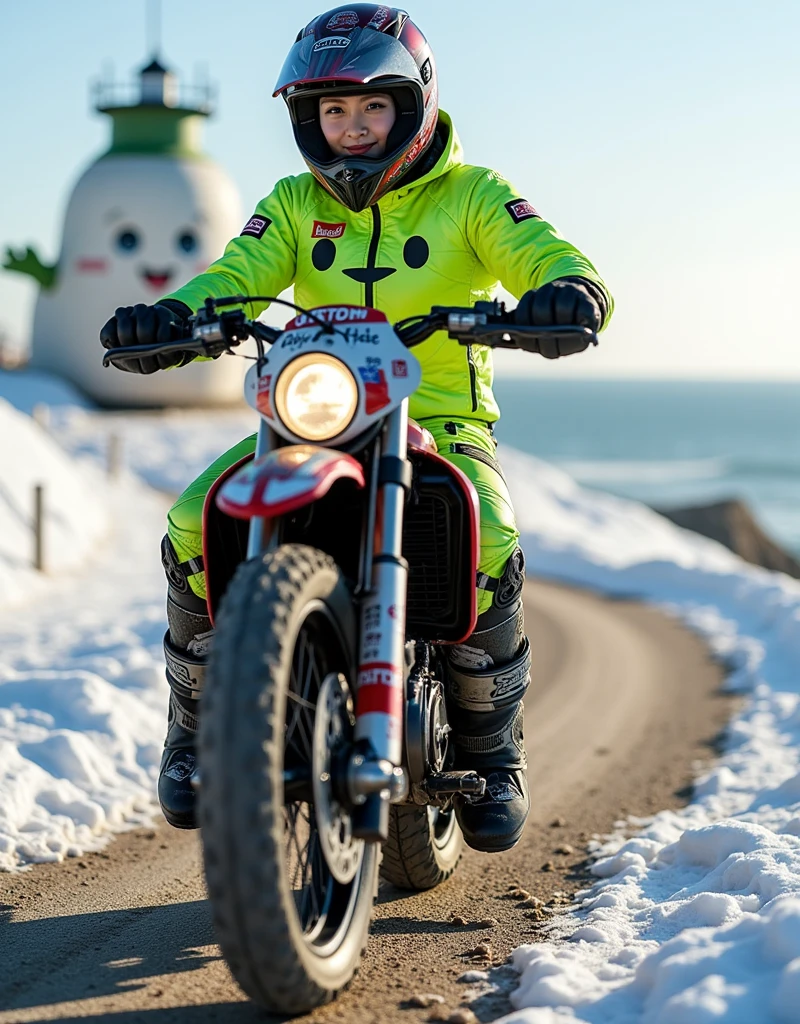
(356, 195)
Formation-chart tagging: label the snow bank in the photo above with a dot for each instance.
(75, 502)
(83, 697)
(82, 694)
(697, 918)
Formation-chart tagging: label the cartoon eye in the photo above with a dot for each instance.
(127, 240)
(187, 241)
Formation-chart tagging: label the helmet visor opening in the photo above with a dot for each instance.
(304, 105)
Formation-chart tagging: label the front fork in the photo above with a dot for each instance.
(255, 535)
(374, 777)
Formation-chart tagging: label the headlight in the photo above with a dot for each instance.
(316, 396)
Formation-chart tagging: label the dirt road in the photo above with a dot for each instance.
(623, 704)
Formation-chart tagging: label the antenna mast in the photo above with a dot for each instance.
(153, 20)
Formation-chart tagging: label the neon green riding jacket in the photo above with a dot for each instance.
(446, 239)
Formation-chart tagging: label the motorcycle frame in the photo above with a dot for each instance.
(375, 775)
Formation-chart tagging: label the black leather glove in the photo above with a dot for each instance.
(563, 302)
(147, 325)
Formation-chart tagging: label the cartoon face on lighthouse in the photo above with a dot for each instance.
(140, 226)
(142, 220)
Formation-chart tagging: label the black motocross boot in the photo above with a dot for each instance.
(186, 646)
(488, 676)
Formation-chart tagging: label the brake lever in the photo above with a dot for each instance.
(515, 337)
(135, 351)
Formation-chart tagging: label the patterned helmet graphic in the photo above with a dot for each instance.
(346, 50)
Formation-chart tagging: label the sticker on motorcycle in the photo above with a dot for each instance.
(338, 315)
(379, 690)
(376, 387)
(263, 395)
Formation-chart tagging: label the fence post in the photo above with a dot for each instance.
(38, 528)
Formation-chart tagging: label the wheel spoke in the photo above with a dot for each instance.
(299, 728)
(309, 875)
(320, 900)
(299, 702)
(311, 675)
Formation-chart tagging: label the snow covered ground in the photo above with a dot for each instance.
(696, 919)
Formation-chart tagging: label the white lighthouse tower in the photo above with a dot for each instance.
(150, 213)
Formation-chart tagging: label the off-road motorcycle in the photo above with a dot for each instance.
(340, 559)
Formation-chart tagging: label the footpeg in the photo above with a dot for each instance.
(450, 783)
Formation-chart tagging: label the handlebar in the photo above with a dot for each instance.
(210, 333)
(486, 323)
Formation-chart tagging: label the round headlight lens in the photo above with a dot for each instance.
(316, 396)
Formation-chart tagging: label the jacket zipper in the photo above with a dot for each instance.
(369, 297)
(473, 383)
(372, 254)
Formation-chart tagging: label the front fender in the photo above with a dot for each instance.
(285, 479)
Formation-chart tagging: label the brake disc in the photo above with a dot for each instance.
(333, 730)
(426, 728)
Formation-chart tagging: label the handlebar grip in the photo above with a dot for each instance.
(265, 332)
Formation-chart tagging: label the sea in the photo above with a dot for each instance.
(667, 443)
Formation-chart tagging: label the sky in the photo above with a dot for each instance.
(662, 139)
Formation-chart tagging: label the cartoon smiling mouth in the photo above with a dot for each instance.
(156, 278)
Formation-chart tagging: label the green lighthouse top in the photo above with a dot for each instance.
(154, 114)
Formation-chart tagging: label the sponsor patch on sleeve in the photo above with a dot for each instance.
(256, 226)
(521, 209)
(323, 230)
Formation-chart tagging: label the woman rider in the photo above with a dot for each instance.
(389, 216)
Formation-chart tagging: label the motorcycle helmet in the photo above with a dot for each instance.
(343, 51)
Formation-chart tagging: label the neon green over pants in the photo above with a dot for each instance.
(468, 444)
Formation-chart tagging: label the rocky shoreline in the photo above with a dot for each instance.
(733, 524)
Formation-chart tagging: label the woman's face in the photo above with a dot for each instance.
(357, 125)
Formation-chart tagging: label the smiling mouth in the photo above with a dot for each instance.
(359, 150)
(156, 278)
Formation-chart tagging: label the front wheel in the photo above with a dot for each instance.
(291, 889)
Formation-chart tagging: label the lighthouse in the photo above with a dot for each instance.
(149, 214)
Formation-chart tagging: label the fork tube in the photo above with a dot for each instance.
(255, 536)
(368, 538)
(394, 496)
(380, 697)
(381, 660)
